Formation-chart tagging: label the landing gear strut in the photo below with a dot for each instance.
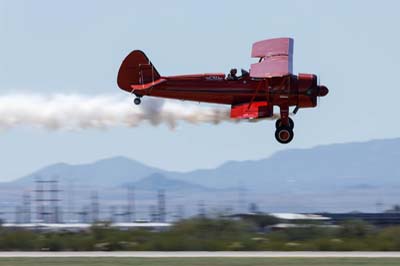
(137, 100)
(284, 127)
(278, 123)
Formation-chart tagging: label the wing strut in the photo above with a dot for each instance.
(255, 94)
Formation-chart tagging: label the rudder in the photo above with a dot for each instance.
(136, 69)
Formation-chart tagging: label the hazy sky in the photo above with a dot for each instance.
(77, 47)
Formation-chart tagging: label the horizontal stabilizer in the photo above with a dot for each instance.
(148, 85)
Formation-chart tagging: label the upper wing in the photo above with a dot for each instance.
(276, 56)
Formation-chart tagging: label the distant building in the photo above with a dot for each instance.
(302, 220)
(378, 219)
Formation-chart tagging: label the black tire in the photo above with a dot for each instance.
(278, 123)
(137, 101)
(284, 135)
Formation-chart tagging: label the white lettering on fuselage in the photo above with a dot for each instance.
(214, 78)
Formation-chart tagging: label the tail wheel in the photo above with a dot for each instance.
(284, 134)
(137, 101)
(278, 123)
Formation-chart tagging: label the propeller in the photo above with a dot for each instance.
(319, 84)
(322, 90)
(316, 90)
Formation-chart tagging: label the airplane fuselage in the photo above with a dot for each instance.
(214, 88)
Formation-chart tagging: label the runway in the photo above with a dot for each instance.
(201, 254)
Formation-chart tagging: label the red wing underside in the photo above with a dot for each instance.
(251, 110)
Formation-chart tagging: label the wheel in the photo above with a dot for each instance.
(137, 101)
(278, 123)
(284, 134)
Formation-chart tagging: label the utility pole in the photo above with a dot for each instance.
(83, 214)
(241, 200)
(95, 208)
(71, 207)
(112, 214)
(180, 212)
(131, 204)
(39, 200)
(201, 209)
(26, 207)
(18, 214)
(153, 213)
(54, 200)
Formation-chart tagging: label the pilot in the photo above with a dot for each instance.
(245, 73)
(232, 74)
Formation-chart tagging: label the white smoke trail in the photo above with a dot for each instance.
(74, 112)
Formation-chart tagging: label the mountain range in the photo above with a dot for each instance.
(360, 173)
(372, 163)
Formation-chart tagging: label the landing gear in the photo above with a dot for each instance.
(284, 134)
(137, 101)
(284, 126)
(278, 123)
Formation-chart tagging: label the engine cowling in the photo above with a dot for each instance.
(308, 90)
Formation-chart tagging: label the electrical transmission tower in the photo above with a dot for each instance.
(47, 200)
(161, 206)
(26, 207)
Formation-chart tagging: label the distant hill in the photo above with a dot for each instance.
(338, 176)
(107, 172)
(158, 181)
(337, 166)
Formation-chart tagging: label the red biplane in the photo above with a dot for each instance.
(270, 82)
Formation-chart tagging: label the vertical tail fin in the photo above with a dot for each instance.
(136, 69)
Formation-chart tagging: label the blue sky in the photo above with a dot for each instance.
(77, 47)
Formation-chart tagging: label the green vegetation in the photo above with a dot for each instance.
(198, 262)
(209, 235)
